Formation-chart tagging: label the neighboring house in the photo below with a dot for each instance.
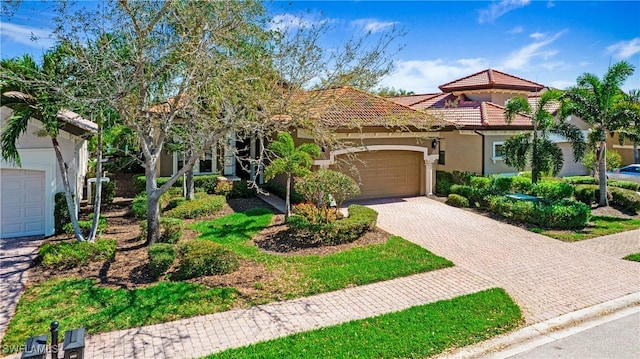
(27, 192)
(474, 108)
(625, 148)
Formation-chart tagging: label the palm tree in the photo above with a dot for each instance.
(544, 155)
(290, 160)
(597, 102)
(32, 91)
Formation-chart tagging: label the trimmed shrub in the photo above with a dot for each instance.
(521, 211)
(457, 200)
(502, 185)
(139, 206)
(462, 177)
(202, 206)
(628, 200)
(444, 176)
(521, 184)
(564, 214)
(464, 191)
(173, 203)
(527, 174)
(205, 183)
(108, 192)
(60, 212)
(85, 225)
(140, 182)
(443, 188)
(171, 230)
(587, 193)
(624, 184)
(161, 257)
(480, 182)
(201, 257)
(315, 215)
(361, 219)
(579, 180)
(223, 188)
(66, 255)
(553, 190)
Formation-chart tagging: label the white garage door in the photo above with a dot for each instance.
(21, 203)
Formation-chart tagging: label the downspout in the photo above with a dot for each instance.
(483, 152)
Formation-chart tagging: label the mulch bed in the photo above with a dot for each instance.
(129, 269)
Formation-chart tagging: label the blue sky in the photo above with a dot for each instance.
(550, 42)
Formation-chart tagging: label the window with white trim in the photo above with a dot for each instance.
(498, 154)
(206, 164)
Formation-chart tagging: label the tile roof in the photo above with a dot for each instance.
(412, 99)
(347, 107)
(476, 114)
(490, 79)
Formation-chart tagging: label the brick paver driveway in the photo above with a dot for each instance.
(16, 255)
(545, 276)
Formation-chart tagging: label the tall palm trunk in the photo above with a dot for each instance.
(602, 174)
(71, 205)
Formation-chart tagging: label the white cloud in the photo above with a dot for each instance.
(516, 30)
(373, 25)
(537, 35)
(550, 4)
(424, 76)
(625, 49)
(497, 9)
(561, 84)
(521, 58)
(286, 21)
(29, 36)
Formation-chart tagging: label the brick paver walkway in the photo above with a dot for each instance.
(16, 255)
(616, 245)
(545, 276)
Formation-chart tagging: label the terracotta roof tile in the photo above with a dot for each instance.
(346, 107)
(490, 79)
(477, 114)
(412, 99)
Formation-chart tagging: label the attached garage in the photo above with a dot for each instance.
(388, 173)
(22, 203)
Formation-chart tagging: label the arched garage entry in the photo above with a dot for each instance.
(386, 170)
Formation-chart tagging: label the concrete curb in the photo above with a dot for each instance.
(535, 335)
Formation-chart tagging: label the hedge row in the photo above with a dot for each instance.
(361, 219)
(628, 200)
(66, 255)
(205, 182)
(563, 214)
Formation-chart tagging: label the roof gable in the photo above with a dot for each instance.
(491, 79)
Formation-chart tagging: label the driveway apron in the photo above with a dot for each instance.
(545, 276)
(16, 255)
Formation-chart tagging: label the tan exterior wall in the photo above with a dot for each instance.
(625, 150)
(462, 152)
(497, 166)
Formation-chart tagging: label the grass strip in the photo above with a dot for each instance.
(597, 227)
(633, 257)
(417, 332)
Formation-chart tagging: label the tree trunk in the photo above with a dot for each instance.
(71, 205)
(189, 185)
(602, 174)
(98, 198)
(153, 202)
(287, 198)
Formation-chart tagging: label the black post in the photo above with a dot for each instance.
(54, 339)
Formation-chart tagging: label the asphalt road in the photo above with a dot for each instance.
(617, 339)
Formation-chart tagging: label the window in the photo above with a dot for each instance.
(498, 154)
(204, 165)
(441, 157)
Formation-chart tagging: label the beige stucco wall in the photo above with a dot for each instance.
(497, 166)
(462, 152)
(625, 149)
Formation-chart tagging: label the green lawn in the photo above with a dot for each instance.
(633, 257)
(417, 332)
(83, 303)
(598, 226)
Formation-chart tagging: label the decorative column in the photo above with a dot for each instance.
(429, 160)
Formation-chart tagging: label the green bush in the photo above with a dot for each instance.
(60, 212)
(171, 230)
(173, 203)
(457, 200)
(521, 184)
(235, 189)
(444, 181)
(579, 180)
(139, 206)
(502, 185)
(462, 177)
(108, 192)
(140, 182)
(161, 257)
(587, 193)
(628, 200)
(66, 255)
(624, 184)
(464, 191)
(553, 190)
(444, 176)
(361, 219)
(563, 214)
(526, 174)
(201, 257)
(199, 207)
(480, 182)
(85, 225)
(207, 183)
